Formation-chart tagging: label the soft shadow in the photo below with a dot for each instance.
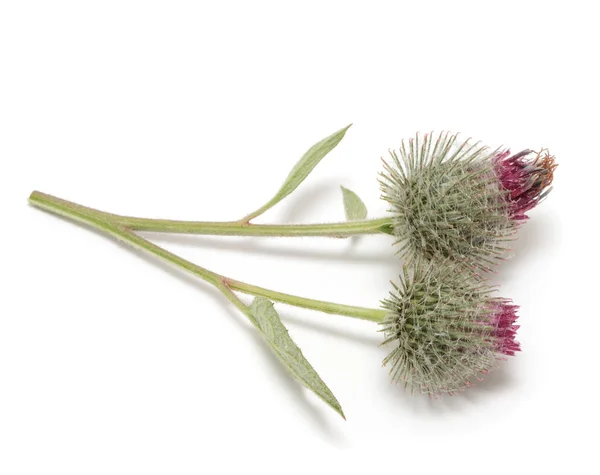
(251, 245)
(489, 386)
(372, 340)
(535, 238)
(310, 197)
(500, 379)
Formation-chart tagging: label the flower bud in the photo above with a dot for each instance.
(459, 200)
(447, 329)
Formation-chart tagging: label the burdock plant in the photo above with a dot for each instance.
(453, 206)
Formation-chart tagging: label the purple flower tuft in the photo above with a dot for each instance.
(503, 318)
(526, 178)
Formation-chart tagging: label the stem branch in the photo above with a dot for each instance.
(117, 227)
(231, 228)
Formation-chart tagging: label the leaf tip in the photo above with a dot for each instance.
(342, 132)
(337, 407)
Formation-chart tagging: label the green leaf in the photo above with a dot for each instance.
(276, 335)
(354, 206)
(302, 169)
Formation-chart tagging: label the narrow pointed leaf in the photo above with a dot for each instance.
(354, 206)
(278, 339)
(302, 169)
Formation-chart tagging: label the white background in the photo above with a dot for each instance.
(113, 363)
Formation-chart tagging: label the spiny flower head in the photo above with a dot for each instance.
(457, 199)
(447, 329)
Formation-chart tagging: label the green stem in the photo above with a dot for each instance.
(107, 223)
(235, 228)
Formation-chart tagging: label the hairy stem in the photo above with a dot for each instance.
(110, 224)
(234, 228)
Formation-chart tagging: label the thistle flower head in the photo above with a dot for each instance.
(447, 329)
(457, 199)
